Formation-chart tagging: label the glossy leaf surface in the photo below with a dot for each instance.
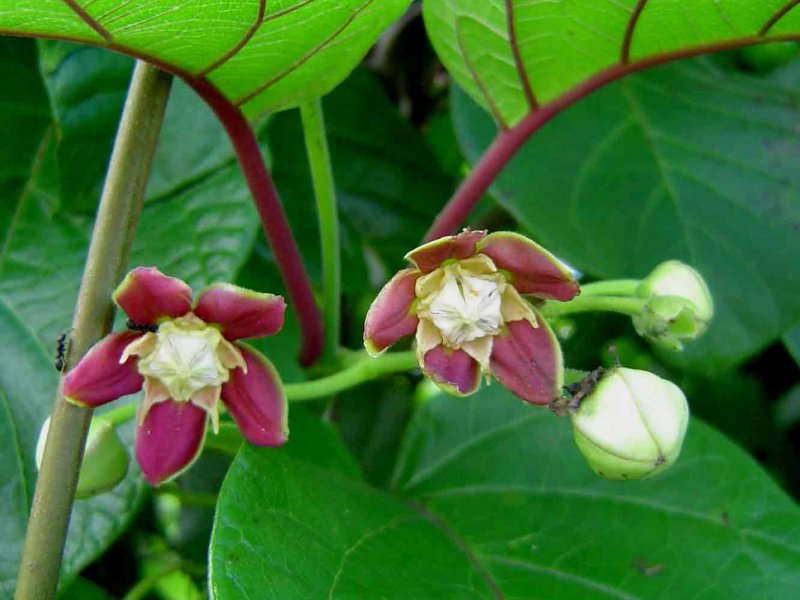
(514, 56)
(263, 56)
(490, 499)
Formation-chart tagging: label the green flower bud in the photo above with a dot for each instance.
(631, 425)
(105, 460)
(679, 305)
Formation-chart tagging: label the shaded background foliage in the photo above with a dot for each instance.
(696, 161)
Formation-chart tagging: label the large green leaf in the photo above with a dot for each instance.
(263, 56)
(513, 56)
(688, 161)
(493, 500)
(201, 228)
(792, 341)
(87, 88)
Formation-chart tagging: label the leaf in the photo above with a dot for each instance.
(387, 193)
(263, 56)
(87, 88)
(687, 161)
(515, 56)
(202, 232)
(84, 589)
(372, 419)
(315, 532)
(792, 341)
(496, 502)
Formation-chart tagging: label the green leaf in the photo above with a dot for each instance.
(263, 56)
(496, 501)
(513, 56)
(792, 341)
(687, 161)
(87, 88)
(203, 232)
(372, 419)
(289, 528)
(84, 589)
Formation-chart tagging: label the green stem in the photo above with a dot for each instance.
(611, 287)
(117, 216)
(365, 370)
(322, 176)
(625, 306)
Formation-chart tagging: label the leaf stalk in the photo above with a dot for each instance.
(324, 190)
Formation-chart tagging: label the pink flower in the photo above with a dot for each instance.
(190, 361)
(463, 300)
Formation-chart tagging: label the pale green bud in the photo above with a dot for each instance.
(631, 425)
(679, 305)
(105, 460)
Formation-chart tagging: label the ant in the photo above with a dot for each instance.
(134, 326)
(576, 392)
(61, 352)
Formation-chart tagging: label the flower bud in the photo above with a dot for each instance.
(679, 305)
(105, 460)
(631, 425)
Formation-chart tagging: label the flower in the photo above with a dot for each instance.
(187, 357)
(463, 300)
(679, 305)
(631, 425)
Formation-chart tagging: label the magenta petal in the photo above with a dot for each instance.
(98, 377)
(390, 317)
(169, 439)
(430, 256)
(453, 368)
(241, 313)
(533, 269)
(148, 296)
(527, 360)
(256, 400)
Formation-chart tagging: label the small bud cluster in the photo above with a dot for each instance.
(679, 305)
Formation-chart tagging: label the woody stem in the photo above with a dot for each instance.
(109, 251)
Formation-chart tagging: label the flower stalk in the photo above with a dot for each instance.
(583, 303)
(109, 251)
(324, 191)
(611, 287)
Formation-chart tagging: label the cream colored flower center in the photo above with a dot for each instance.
(466, 307)
(185, 359)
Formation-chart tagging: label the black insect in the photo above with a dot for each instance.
(134, 326)
(576, 392)
(61, 352)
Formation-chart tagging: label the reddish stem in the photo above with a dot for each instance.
(509, 141)
(276, 226)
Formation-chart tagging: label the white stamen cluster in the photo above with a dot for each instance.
(466, 308)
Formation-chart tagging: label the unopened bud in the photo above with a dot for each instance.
(631, 425)
(679, 305)
(105, 460)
